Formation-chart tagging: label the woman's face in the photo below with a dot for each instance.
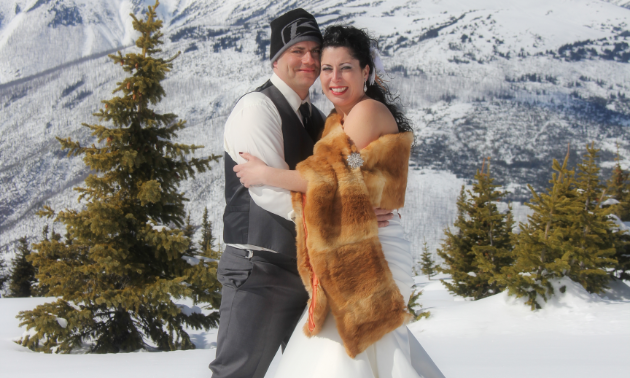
(342, 78)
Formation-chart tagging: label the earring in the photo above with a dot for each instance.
(365, 86)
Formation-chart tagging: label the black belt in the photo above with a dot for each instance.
(283, 261)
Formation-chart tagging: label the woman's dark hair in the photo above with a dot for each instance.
(358, 43)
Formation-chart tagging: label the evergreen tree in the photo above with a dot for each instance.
(413, 303)
(39, 288)
(568, 234)
(45, 233)
(122, 264)
(4, 274)
(590, 238)
(427, 265)
(539, 251)
(483, 245)
(22, 275)
(189, 231)
(455, 250)
(618, 189)
(621, 242)
(207, 240)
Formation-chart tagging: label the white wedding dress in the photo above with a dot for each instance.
(397, 355)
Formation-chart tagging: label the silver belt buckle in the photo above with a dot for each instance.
(250, 253)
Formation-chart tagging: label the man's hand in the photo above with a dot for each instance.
(383, 216)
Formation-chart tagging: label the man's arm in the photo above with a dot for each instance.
(255, 127)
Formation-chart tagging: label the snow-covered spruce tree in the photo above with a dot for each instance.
(539, 247)
(22, 276)
(427, 265)
(483, 244)
(122, 264)
(590, 240)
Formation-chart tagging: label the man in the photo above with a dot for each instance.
(263, 296)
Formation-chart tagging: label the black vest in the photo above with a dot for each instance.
(244, 222)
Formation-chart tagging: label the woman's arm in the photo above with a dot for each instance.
(256, 172)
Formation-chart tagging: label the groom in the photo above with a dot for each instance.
(263, 296)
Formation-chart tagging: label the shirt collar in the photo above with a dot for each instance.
(292, 97)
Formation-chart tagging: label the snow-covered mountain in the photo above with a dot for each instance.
(514, 80)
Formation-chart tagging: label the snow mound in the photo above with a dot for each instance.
(570, 311)
(571, 296)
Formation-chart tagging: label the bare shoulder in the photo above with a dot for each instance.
(368, 120)
(374, 115)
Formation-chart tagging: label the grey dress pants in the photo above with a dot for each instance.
(263, 298)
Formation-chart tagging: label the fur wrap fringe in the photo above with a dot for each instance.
(340, 241)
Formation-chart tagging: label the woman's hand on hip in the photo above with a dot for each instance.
(252, 173)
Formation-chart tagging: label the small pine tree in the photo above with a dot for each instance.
(483, 245)
(413, 303)
(4, 274)
(427, 265)
(122, 264)
(40, 288)
(189, 231)
(455, 250)
(621, 240)
(618, 188)
(207, 240)
(590, 238)
(22, 275)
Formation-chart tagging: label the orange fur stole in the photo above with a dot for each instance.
(342, 247)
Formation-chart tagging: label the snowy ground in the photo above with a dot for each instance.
(576, 335)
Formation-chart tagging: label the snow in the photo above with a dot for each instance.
(62, 322)
(575, 334)
(610, 202)
(17, 361)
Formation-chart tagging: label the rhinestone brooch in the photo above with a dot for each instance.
(355, 160)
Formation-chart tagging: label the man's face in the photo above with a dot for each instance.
(299, 66)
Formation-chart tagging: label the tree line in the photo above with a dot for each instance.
(575, 230)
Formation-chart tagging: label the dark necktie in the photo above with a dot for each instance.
(307, 120)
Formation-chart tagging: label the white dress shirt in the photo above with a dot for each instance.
(255, 127)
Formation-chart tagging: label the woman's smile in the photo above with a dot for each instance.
(338, 91)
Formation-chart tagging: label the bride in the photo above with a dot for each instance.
(358, 275)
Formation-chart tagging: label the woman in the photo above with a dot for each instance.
(358, 276)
